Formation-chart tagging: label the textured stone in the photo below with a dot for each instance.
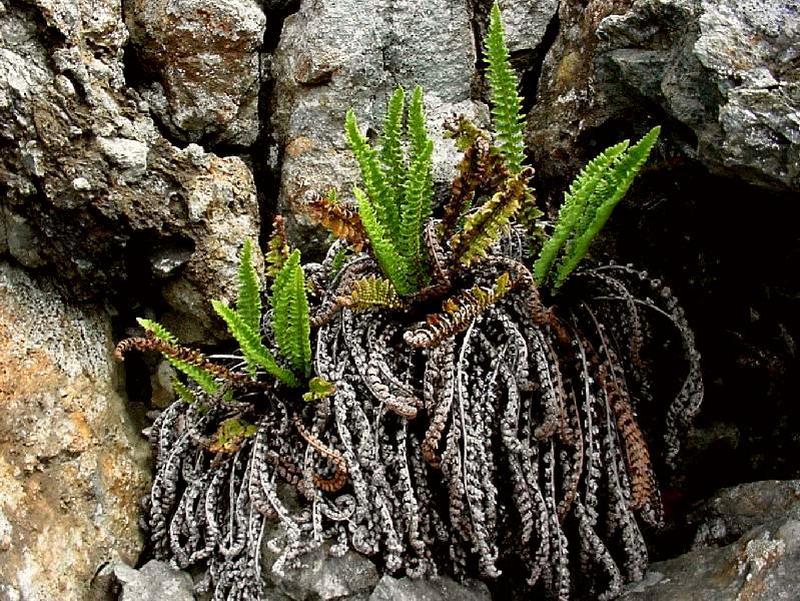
(439, 589)
(724, 69)
(72, 465)
(209, 95)
(324, 577)
(734, 511)
(92, 192)
(333, 55)
(763, 564)
(154, 581)
(526, 22)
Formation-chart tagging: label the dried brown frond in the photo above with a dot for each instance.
(341, 220)
(339, 478)
(458, 312)
(480, 169)
(277, 247)
(179, 353)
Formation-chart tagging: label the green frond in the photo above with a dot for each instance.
(203, 378)
(417, 131)
(157, 330)
(488, 223)
(395, 202)
(580, 193)
(255, 353)
(318, 388)
(506, 103)
(248, 301)
(391, 262)
(615, 183)
(183, 391)
(290, 314)
(339, 259)
(372, 173)
(371, 292)
(391, 154)
(416, 206)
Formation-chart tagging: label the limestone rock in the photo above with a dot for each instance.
(725, 70)
(93, 193)
(204, 58)
(324, 577)
(439, 589)
(763, 564)
(154, 581)
(72, 465)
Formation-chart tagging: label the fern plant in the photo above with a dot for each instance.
(592, 196)
(290, 324)
(398, 188)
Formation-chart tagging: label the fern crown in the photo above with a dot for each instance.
(395, 201)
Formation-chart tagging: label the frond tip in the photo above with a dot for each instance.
(506, 103)
(248, 301)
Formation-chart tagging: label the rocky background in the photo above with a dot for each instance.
(142, 140)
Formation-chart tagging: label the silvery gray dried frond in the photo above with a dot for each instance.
(510, 440)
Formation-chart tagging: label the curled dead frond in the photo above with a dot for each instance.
(341, 220)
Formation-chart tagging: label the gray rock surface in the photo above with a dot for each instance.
(324, 577)
(92, 191)
(526, 22)
(207, 95)
(72, 464)
(725, 69)
(440, 589)
(763, 564)
(154, 581)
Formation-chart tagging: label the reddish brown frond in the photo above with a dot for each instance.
(341, 220)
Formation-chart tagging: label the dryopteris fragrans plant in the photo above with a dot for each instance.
(455, 423)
